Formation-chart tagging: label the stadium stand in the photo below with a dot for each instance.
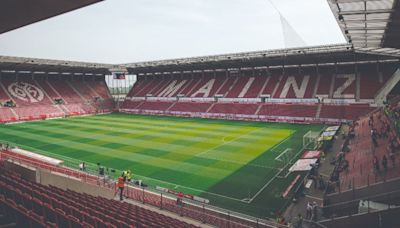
(298, 84)
(349, 112)
(230, 108)
(327, 94)
(190, 107)
(288, 110)
(28, 204)
(24, 97)
(155, 105)
(195, 212)
(361, 171)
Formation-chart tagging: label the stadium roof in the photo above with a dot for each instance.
(369, 23)
(372, 26)
(342, 53)
(46, 65)
(17, 13)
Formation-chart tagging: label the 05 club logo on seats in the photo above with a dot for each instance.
(26, 92)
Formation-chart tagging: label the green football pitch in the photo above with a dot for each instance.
(232, 163)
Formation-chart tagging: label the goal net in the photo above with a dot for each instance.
(310, 140)
(283, 160)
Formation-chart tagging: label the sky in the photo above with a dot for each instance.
(126, 31)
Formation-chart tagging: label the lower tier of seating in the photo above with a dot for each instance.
(29, 204)
(245, 109)
(279, 110)
(351, 112)
(37, 112)
(25, 113)
(6, 115)
(288, 110)
(190, 107)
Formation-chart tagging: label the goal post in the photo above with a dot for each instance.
(310, 140)
(283, 160)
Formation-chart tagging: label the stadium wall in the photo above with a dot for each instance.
(386, 218)
(59, 180)
(65, 182)
(362, 193)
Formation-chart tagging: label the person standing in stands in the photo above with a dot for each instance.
(392, 158)
(129, 176)
(376, 164)
(308, 210)
(384, 163)
(299, 221)
(121, 185)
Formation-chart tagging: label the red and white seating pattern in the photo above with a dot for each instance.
(332, 84)
(34, 97)
(258, 111)
(190, 107)
(288, 110)
(293, 83)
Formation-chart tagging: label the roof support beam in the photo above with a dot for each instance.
(370, 21)
(365, 12)
(368, 28)
(366, 38)
(350, 1)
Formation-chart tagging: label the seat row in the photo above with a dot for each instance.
(48, 206)
(347, 112)
(361, 82)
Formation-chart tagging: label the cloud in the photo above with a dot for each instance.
(121, 31)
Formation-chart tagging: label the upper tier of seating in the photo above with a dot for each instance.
(40, 96)
(293, 92)
(328, 82)
(29, 204)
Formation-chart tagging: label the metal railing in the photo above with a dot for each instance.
(202, 212)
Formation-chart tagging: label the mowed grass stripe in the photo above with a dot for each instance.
(146, 169)
(156, 132)
(68, 150)
(129, 139)
(161, 148)
(161, 121)
(109, 152)
(168, 142)
(182, 168)
(169, 129)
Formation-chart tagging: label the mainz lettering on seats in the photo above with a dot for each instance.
(172, 88)
(205, 89)
(339, 92)
(291, 82)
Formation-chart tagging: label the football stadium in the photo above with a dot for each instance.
(304, 136)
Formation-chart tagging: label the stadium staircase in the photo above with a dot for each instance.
(389, 85)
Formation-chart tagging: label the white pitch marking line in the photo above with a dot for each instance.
(226, 142)
(193, 189)
(262, 189)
